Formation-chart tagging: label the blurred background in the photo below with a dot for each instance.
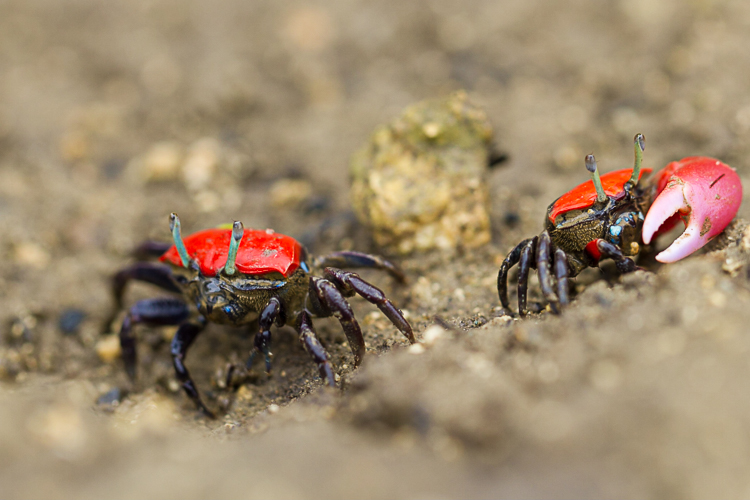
(115, 113)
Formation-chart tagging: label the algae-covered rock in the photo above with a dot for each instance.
(419, 182)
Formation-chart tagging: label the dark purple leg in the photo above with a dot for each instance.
(622, 263)
(160, 311)
(273, 312)
(151, 249)
(525, 263)
(350, 283)
(150, 272)
(545, 271)
(561, 273)
(181, 342)
(326, 300)
(312, 345)
(502, 276)
(359, 260)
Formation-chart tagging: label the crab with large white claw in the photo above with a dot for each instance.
(702, 192)
(613, 215)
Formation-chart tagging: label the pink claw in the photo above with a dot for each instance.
(703, 192)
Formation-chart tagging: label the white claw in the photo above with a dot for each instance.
(705, 193)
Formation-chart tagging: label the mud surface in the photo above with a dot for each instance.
(114, 114)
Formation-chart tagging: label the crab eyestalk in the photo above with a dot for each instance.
(174, 227)
(601, 196)
(237, 231)
(639, 144)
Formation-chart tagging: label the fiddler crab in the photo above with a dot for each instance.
(613, 216)
(238, 276)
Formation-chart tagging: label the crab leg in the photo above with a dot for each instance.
(704, 192)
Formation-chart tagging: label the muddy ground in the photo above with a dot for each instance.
(114, 114)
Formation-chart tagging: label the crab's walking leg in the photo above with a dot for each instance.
(149, 272)
(159, 311)
(181, 342)
(151, 249)
(543, 258)
(356, 260)
(561, 273)
(525, 262)
(623, 263)
(502, 275)
(327, 300)
(350, 283)
(273, 312)
(314, 348)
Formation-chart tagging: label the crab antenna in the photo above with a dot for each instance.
(174, 226)
(237, 231)
(639, 145)
(601, 196)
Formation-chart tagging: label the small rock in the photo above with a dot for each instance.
(70, 321)
(432, 334)
(201, 163)
(244, 394)
(108, 348)
(420, 181)
(32, 255)
(416, 349)
(290, 193)
(162, 162)
(111, 397)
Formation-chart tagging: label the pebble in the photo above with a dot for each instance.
(415, 349)
(244, 393)
(111, 397)
(290, 193)
(746, 239)
(201, 163)
(432, 334)
(108, 348)
(497, 322)
(70, 321)
(420, 181)
(162, 161)
(30, 254)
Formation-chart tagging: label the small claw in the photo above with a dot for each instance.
(704, 192)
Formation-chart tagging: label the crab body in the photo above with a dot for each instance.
(268, 264)
(614, 215)
(575, 221)
(236, 276)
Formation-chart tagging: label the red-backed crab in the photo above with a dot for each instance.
(236, 276)
(612, 216)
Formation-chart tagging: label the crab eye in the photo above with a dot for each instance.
(228, 309)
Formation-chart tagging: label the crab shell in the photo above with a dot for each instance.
(260, 252)
(584, 195)
(704, 192)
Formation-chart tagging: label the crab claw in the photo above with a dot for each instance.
(703, 192)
